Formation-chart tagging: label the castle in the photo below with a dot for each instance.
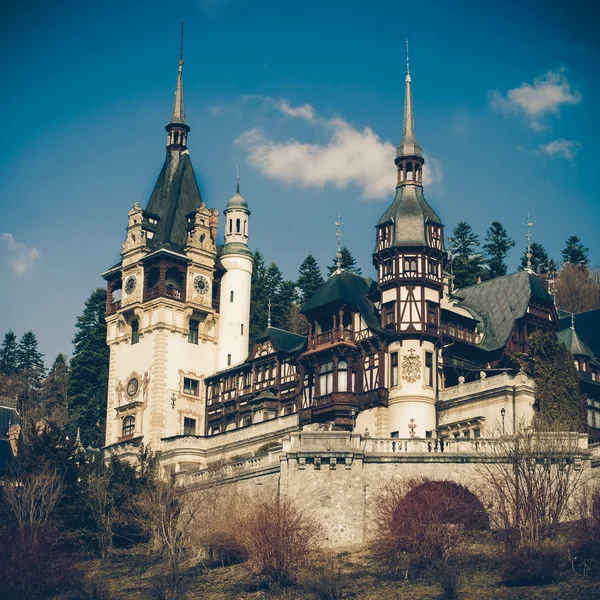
(403, 364)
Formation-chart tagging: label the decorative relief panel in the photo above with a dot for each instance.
(411, 367)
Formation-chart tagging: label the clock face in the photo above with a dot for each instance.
(201, 284)
(130, 284)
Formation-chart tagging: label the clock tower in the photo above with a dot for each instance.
(162, 321)
(409, 257)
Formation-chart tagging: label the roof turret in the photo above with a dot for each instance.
(409, 145)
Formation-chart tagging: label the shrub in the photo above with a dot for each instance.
(325, 583)
(530, 565)
(585, 547)
(448, 578)
(279, 539)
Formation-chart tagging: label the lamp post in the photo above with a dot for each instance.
(503, 413)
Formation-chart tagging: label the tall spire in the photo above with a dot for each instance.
(178, 126)
(409, 145)
(529, 254)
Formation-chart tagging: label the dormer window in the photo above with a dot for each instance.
(410, 266)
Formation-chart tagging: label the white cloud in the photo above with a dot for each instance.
(349, 156)
(19, 256)
(545, 97)
(566, 149)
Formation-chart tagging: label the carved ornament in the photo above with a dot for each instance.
(411, 367)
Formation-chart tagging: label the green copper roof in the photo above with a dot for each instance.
(571, 340)
(237, 202)
(346, 288)
(587, 326)
(282, 340)
(236, 248)
(500, 302)
(410, 214)
(175, 196)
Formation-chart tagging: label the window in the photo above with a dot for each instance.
(410, 266)
(342, 376)
(428, 369)
(230, 225)
(477, 432)
(193, 332)
(431, 313)
(326, 378)
(135, 331)
(432, 267)
(189, 426)
(242, 329)
(395, 434)
(128, 426)
(237, 225)
(231, 296)
(394, 371)
(229, 356)
(389, 313)
(191, 386)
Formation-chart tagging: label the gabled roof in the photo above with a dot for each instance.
(175, 196)
(282, 340)
(347, 288)
(572, 341)
(587, 326)
(500, 302)
(410, 214)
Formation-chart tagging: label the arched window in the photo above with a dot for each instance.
(237, 226)
(128, 426)
(342, 376)
(230, 225)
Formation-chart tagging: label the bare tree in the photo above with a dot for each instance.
(577, 289)
(32, 497)
(531, 479)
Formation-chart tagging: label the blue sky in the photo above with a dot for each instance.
(308, 99)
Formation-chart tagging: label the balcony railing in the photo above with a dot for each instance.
(169, 292)
(334, 335)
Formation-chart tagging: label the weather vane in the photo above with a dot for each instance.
(529, 224)
(181, 46)
(338, 256)
(237, 176)
(269, 313)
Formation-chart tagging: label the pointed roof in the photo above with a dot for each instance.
(282, 340)
(573, 342)
(346, 288)
(410, 214)
(178, 116)
(237, 201)
(175, 196)
(409, 145)
(587, 326)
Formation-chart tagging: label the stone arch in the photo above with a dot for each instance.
(457, 505)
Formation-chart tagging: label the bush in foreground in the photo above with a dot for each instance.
(526, 566)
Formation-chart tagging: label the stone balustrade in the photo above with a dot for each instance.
(481, 385)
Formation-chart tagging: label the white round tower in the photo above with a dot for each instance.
(234, 306)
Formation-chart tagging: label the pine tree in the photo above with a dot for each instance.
(9, 354)
(258, 298)
(541, 263)
(468, 265)
(497, 247)
(575, 252)
(55, 391)
(557, 385)
(28, 354)
(88, 383)
(310, 278)
(348, 263)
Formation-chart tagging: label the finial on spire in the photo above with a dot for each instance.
(407, 61)
(181, 46)
(529, 224)
(269, 314)
(178, 127)
(572, 320)
(237, 177)
(338, 256)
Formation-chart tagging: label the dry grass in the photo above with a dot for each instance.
(132, 574)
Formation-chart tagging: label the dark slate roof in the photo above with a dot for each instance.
(500, 302)
(347, 288)
(410, 213)
(282, 340)
(587, 326)
(571, 340)
(175, 196)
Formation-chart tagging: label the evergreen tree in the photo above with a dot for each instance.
(310, 278)
(468, 265)
(541, 263)
(28, 355)
(575, 252)
(88, 383)
(348, 263)
(557, 384)
(55, 391)
(497, 247)
(9, 354)
(258, 298)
